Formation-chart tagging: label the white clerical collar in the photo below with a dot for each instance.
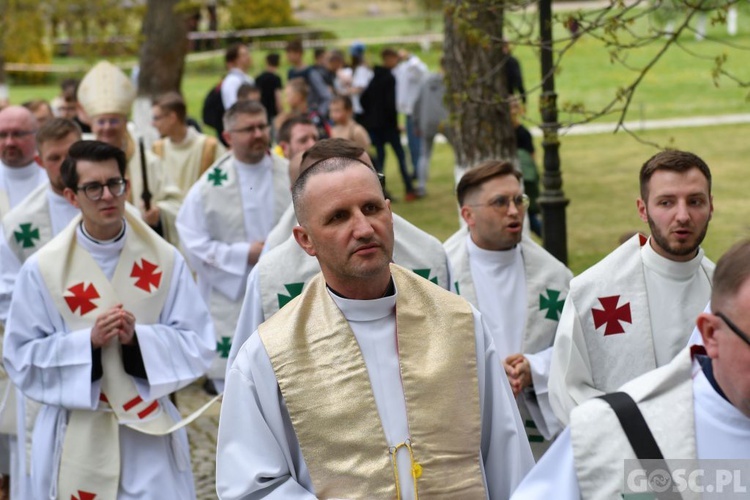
(21, 173)
(265, 162)
(670, 268)
(714, 404)
(365, 310)
(502, 258)
(89, 242)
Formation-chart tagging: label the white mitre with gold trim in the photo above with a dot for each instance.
(106, 89)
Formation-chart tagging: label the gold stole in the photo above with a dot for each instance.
(324, 381)
(90, 460)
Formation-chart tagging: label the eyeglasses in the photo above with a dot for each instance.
(95, 190)
(521, 201)
(112, 122)
(250, 129)
(16, 134)
(744, 336)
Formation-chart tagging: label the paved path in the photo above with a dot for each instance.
(202, 436)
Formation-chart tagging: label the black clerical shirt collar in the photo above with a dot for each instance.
(391, 290)
(103, 242)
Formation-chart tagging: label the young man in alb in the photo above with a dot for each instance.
(105, 323)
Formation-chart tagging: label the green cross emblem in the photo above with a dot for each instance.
(425, 273)
(217, 176)
(551, 304)
(224, 346)
(27, 235)
(293, 289)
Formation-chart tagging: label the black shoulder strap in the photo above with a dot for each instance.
(635, 426)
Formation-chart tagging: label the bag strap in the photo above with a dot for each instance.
(635, 426)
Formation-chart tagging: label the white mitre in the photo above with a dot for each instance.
(106, 89)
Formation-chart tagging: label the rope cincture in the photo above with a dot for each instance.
(416, 469)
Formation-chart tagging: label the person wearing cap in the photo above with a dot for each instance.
(226, 218)
(106, 95)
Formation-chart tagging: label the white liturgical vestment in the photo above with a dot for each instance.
(628, 314)
(713, 429)
(52, 364)
(259, 456)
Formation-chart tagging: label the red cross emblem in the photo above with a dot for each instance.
(83, 495)
(611, 315)
(147, 277)
(82, 298)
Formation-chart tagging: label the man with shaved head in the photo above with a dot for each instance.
(331, 399)
(19, 173)
(273, 283)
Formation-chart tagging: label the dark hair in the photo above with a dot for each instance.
(69, 88)
(319, 51)
(330, 148)
(388, 52)
(57, 129)
(233, 52)
(242, 108)
(672, 160)
(336, 55)
(245, 90)
(95, 151)
(481, 173)
(37, 104)
(294, 46)
(173, 102)
(345, 100)
(273, 59)
(285, 130)
(732, 271)
(300, 86)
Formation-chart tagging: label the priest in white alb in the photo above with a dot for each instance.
(373, 382)
(633, 311)
(185, 153)
(105, 323)
(27, 227)
(517, 285)
(697, 407)
(226, 217)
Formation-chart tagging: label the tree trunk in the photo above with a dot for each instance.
(162, 60)
(476, 94)
(4, 98)
(162, 57)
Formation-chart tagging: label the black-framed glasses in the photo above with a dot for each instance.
(502, 202)
(16, 134)
(744, 336)
(95, 190)
(251, 129)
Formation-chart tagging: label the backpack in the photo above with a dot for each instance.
(213, 108)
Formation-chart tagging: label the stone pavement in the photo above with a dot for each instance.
(202, 436)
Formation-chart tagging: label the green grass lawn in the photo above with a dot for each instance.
(600, 171)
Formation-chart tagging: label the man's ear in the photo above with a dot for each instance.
(708, 324)
(69, 195)
(303, 240)
(467, 214)
(642, 209)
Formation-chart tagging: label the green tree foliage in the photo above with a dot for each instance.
(248, 14)
(24, 35)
